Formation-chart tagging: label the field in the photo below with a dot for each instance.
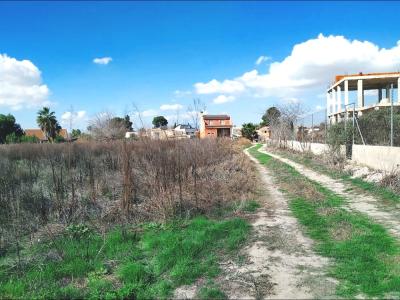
(190, 219)
(117, 220)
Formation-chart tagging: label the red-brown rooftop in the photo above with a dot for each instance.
(216, 117)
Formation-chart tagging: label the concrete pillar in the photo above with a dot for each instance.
(333, 98)
(360, 93)
(388, 92)
(339, 98)
(398, 90)
(379, 95)
(328, 103)
(346, 92)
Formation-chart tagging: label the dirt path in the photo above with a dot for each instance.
(280, 262)
(357, 202)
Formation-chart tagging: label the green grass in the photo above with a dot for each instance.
(211, 291)
(366, 258)
(250, 206)
(147, 264)
(383, 193)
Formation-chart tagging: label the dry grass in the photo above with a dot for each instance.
(117, 183)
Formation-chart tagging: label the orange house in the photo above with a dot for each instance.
(215, 126)
(39, 134)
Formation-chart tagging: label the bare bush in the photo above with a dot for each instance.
(119, 182)
(282, 127)
(104, 127)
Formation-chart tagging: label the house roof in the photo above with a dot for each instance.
(38, 133)
(370, 80)
(41, 136)
(216, 117)
(184, 126)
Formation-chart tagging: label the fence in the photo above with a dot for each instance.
(312, 127)
(379, 127)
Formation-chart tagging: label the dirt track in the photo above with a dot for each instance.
(387, 216)
(280, 261)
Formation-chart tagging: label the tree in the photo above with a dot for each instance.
(270, 115)
(8, 126)
(122, 122)
(128, 123)
(195, 110)
(48, 123)
(249, 131)
(105, 127)
(160, 121)
(76, 133)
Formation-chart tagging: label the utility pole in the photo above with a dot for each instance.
(312, 128)
(391, 115)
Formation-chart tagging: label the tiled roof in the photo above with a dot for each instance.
(36, 133)
(41, 136)
(216, 117)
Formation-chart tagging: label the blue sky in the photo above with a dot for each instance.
(158, 48)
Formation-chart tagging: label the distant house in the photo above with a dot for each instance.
(237, 132)
(215, 126)
(163, 134)
(264, 133)
(130, 134)
(185, 129)
(40, 135)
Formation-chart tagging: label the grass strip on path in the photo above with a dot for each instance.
(383, 193)
(366, 259)
(147, 264)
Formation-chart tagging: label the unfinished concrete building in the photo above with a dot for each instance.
(338, 95)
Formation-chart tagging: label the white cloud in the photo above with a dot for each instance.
(149, 113)
(74, 118)
(171, 106)
(21, 84)
(102, 60)
(223, 99)
(310, 68)
(214, 87)
(262, 59)
(180, 94)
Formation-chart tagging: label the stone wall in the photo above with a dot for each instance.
(374, 157)
(377, 157)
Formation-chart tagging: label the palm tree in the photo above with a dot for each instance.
(47, 122)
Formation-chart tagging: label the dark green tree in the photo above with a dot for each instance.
(249, 131)
(159, 121)
(47, 122)
(9, 126)
(128, 123)
(124, 122)
(76, 133)
(270, 114)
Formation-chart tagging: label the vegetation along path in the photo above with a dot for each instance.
(362, 255)
(367, 204)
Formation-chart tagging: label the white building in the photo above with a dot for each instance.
(185, 129)
(338, 97)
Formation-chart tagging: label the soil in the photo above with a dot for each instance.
(278, 261)
(386, 215)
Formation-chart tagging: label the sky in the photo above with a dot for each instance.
(154, 58)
